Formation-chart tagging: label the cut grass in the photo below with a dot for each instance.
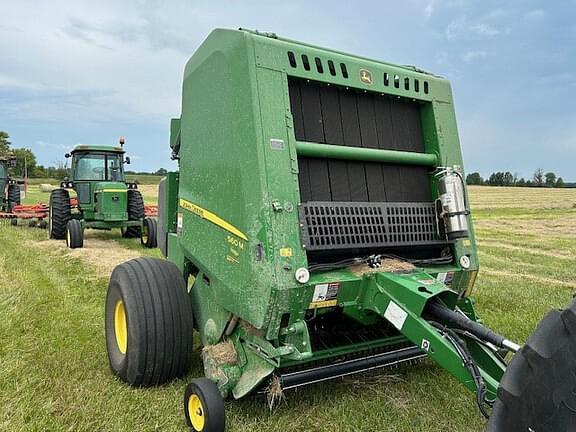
(54, 371)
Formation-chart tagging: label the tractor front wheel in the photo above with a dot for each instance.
(204, 406)
(74, 234)
(59, 213)
(13, 196)
(148, 237)
(148, 322)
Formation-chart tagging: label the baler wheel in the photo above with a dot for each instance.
(148, 322)
(149, 229)
(538, 389)
(59, 213)
(204, 406)
(135, 212)
(74, 234)
(13, 196)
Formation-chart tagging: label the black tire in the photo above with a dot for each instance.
(31, 223)
(135, 212)
(42, 224)
(203, 397)
(59, 213)
(14, 221)
(149, 230)
(74, 234)
(537, 391)
(13, 196)
(153, 344)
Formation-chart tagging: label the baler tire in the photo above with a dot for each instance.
(204, 406)
(14, 221)
(135, 212)
(537, 391)
(148, 237)
(13, 197)
(59, 213)
(153, 342)
(74, 234)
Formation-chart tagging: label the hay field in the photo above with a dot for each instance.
(54, 374)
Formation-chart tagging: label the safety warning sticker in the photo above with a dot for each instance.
(325, 295)
(445, 277)
(396, 315)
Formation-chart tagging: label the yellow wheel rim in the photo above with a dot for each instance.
(196, 412)
(120, 326)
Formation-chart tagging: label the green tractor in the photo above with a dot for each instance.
(104, 199)
(319, 227)
(9, 187)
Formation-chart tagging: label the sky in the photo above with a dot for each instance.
(90, 71)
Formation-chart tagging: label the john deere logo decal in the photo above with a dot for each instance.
(365, 77)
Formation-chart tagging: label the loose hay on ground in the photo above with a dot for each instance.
(102, 254)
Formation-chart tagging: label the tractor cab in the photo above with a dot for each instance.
(97, 176)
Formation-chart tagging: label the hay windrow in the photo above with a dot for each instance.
(104, 255)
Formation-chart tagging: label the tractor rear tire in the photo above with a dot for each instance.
(149, 230)
(59, 213)
(204, 406)
(135, 212)
(74, 234)
(148, 322)
(538, 389)
(13, 196)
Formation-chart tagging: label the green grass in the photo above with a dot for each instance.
(54, 372)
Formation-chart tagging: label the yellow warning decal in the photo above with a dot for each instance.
(211, 217)
(286, 252)
(323, 304)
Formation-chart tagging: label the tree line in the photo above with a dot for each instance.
(539, 179)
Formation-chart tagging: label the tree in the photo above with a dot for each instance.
(538, 177)
(474, 179)
(521, 182)
(550, 179)
(559, 182)
(161, 172)
(508, 179)
(4, 143)
(24, 157)
(496, 179)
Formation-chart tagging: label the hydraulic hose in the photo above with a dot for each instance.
(439, 312)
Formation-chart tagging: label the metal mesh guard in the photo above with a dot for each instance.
(329, 225)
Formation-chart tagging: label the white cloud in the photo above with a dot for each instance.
(463, 29)
(429, 9)
(470, 56)
(535, 14)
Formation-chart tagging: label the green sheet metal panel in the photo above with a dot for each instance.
(238, 160)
